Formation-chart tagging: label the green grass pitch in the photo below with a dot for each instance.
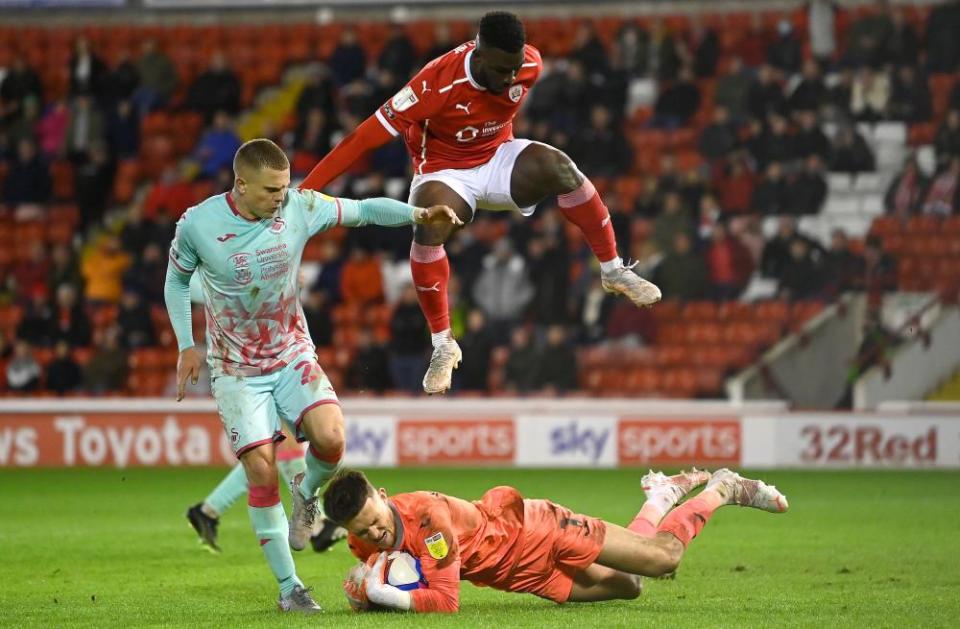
(111, 548)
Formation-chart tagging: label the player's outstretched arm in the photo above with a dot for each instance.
(367, 136)
(176, 293)
(393, 213)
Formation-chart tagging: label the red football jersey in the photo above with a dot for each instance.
(448, 120)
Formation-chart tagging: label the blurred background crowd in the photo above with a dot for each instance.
(716, 140)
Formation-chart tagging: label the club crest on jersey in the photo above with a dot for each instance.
(404, 99)
(241, 268)
(278, 225)
(437, 546)
(516, 91)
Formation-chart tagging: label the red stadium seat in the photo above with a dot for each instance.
(701, 311)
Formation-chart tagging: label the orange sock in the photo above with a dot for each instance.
(646, 521)
(584, 208)
(686, 521)
(431, 273)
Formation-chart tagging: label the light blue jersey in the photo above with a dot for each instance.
(249, 272)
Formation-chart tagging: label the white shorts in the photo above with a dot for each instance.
(486, 186)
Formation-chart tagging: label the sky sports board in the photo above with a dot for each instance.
(120, 439)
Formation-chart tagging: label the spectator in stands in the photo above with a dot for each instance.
(360, 279)
(36, 324)
(733, 90)
(442, 42)
(30, 273)
(906, 191)
(103, 269)
(549, 265)
(718, 138)
(943, 45)
(121, 81)
(910, 98)
(903, 45)
(558, 363)
(867, 37)
(147, 273)
(673, 220)
(70, 321)
(215, 89)
(735, 185)
(870, 95)
(765, 95)
(784, 53)
(729, 264)
(88, 73)
(134, 322)
(63, 372)
(520, 371)
(839, 95)
(682, 273)
(840, 264)
(63, 269)
(705, 47)
(20, 84)
(368, 371)
(158, 78)
(107, 370)
(348, 61)
(630, 49)
(331, 269)
(770, 195)
(123, 131)
(589, 50)
(28, 180)
(752, 44)
(398, 55)
(677, 103)
(807, 190)
(943, 195)
(314, 133)
(947, 141)
(473, 374)
(800, 277)
(409, 342)
(810, 140)
(821, 20)
(664, 56)
(85, 129)
(93, 183)
(850, 153)
(316, 312)
(600, 149)
(503, 289)
(777, 250)
(51, 131)
(777, 143)
(810, 93)
(879, 270)
(217, 146)
(20, 128)
(23, 370)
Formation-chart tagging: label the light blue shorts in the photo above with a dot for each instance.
(252, 407)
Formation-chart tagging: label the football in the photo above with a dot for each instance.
(402, 571)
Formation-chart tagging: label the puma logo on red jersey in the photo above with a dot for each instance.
(426, 289)
(465, 108)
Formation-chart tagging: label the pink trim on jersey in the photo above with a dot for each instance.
(233, 208)
(276, 438)
(426, 254)
(579, 196)
(177, 264)
(339, 210)
(297, 423)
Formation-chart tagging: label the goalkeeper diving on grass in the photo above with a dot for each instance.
(510, 543)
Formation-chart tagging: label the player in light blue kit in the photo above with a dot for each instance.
(246, 245)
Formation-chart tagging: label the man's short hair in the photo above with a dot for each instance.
(502, 30)
(345, 495)
(259, 154)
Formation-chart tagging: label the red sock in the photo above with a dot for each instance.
(645, 522)
(431, 272)
(263, 495)
(584, 208)
(686, 521)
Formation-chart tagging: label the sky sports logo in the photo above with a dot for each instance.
(678, 442)
(457, 442)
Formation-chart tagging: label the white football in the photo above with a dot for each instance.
(403, 571)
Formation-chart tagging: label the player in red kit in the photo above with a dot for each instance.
(514, 544)
(456, 118)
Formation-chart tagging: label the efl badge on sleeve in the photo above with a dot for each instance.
(437, 546)
(404, 99)
(516, 91)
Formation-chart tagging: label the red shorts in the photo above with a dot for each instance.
(557, 543)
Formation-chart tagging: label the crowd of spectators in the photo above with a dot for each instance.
(757, 115)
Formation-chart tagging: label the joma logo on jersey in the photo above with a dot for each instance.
(241, 268)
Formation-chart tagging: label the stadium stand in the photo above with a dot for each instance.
(715, 133)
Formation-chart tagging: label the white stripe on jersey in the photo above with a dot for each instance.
(529, 65)
(450, 87)
(387, 125)
(423, 146)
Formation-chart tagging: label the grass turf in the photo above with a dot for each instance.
(111, 547)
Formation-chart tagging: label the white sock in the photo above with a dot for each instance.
(441, 338)
(611, 265)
